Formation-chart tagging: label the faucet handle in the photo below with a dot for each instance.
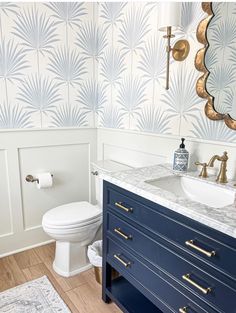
(225, 155)
(203, 172)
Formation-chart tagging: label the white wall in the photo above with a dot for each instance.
(141, 149)
(66, 154)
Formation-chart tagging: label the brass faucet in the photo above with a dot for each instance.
(221, 177)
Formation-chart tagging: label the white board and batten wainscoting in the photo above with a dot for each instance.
(67, 154)
(144, 149)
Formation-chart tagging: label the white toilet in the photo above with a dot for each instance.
(74, 225)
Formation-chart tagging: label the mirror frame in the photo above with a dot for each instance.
(210, 111)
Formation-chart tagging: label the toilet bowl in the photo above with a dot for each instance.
(74, 226)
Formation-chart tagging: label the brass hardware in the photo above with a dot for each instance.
(119, 232)
(191, 244)
(126, 264)
(32, 179)
(180, 52)
(221, 177)
(119, 205)
(203, 172)
(95, 173)
(183, 310)
(205, 291)
(210, 111)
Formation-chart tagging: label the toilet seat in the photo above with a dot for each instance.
(72, 216)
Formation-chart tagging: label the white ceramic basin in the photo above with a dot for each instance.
(212, 195)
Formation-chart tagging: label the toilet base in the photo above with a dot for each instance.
(75, 272)
(70, 258)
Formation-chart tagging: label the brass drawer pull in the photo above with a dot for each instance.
(119, 232)
(119, 205)
(183, 310)
(191, 282)
(191, 244)
(126, 264)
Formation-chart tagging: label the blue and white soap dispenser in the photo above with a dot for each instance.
(181, 157)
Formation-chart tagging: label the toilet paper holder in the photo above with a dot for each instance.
(32, 179)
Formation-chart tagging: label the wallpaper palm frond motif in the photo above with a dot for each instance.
(84, 64)
(153, 59)
(91, 96)
(224, 33)
(112, 12)
(111, 117)
(67, 65)
(40, 94)
(131, 94)
(206, 129)
(92, 40)
(112, 65)
(69, 13)
(134, 28)
(8, 7)
(14, 116)
(220, 78)
(191, 14)
(13, 60)
(64, 116)
(36, 30)
(180, 99)
(154, 121)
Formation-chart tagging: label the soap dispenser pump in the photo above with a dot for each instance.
(181, 157)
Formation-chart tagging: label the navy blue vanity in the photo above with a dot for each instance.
(167, 262)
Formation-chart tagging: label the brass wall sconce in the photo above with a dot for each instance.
(169, 19)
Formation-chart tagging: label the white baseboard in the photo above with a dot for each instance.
(27, 248)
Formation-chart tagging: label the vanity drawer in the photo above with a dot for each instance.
(157, 286)
(209, 287)
(208, 245)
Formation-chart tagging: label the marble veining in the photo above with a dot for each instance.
(134, 180)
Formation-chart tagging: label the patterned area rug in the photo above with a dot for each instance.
(36, 296)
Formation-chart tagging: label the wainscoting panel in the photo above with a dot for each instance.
(70, 168)
(130, 156)
(5, 205)
(67, 154)
(144, 149)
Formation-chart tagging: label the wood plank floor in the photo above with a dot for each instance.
(81, 293)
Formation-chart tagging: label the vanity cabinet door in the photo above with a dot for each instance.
(210, 246)
(157, 288)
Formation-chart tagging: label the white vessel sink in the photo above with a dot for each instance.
(211, 195)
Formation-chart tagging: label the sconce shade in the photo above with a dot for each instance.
(169, 15)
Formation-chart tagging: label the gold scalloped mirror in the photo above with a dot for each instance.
(216, 61)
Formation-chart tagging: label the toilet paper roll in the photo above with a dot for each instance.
(44, 180)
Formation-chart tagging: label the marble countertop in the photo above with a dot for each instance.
(134, 180)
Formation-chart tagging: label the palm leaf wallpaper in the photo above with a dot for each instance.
(103, 64)
(68, 13)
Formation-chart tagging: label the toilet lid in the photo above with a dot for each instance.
(71, 214)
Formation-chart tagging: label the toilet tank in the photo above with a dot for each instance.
(105, 166)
